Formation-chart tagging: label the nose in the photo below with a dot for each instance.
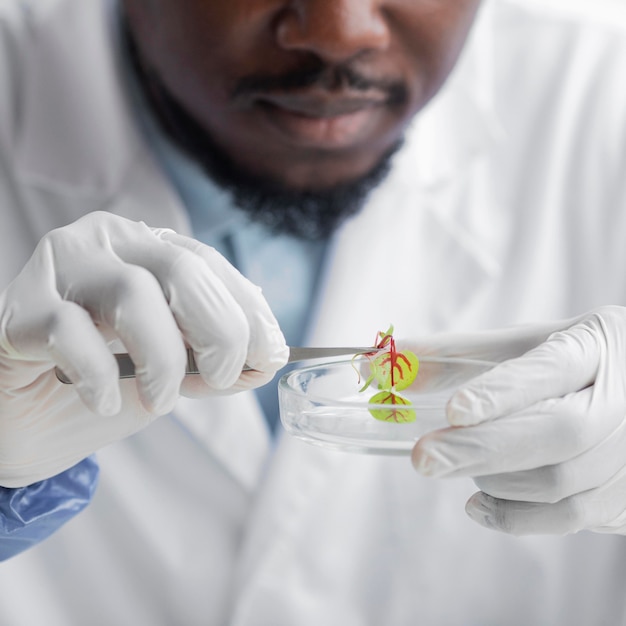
(334, 30)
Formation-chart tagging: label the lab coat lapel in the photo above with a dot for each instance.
(80, 151)
(84, 153)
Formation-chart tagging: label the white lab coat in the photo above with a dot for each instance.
(506, 205)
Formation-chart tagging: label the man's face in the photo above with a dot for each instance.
(309, 93)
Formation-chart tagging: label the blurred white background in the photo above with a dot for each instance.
(609, 9)
(619, 5)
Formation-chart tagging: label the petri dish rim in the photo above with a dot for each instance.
(283, 383)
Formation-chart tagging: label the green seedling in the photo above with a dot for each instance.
(392, 371)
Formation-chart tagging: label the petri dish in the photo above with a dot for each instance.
(323, 404)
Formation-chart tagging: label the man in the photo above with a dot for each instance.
(502, 205)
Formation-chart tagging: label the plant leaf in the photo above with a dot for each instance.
(395, 370)
(368, 382)
(397, 411)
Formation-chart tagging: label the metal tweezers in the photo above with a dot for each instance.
(127, 367)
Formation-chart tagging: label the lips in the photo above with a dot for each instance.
(318, 103)
(323, 120)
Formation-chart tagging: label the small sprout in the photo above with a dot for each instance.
(392, 371)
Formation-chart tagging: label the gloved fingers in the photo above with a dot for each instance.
(101, 262)
(210, 320)
(76, 265)
(128, 299)
(485, 345)
(567, 362)
(617, 524)
(195, 387)
(265, 350)
(602, 510)
(553, 483)
(64, 333)
(81, 352)
(522, 518)
(550, 432)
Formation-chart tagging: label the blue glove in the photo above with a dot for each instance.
(30, 514)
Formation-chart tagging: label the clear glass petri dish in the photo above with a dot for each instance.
(323, 404)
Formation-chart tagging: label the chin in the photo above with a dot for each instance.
(322, 173)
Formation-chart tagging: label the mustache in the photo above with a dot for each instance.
(322, 75)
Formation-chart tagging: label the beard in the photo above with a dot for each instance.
(305, 213)
(309, 214)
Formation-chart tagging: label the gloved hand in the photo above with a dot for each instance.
(543, 433)
(106, 279)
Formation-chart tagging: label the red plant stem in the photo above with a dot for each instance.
(393, 357)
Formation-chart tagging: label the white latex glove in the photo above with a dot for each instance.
(544, 433)
(105, 279)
